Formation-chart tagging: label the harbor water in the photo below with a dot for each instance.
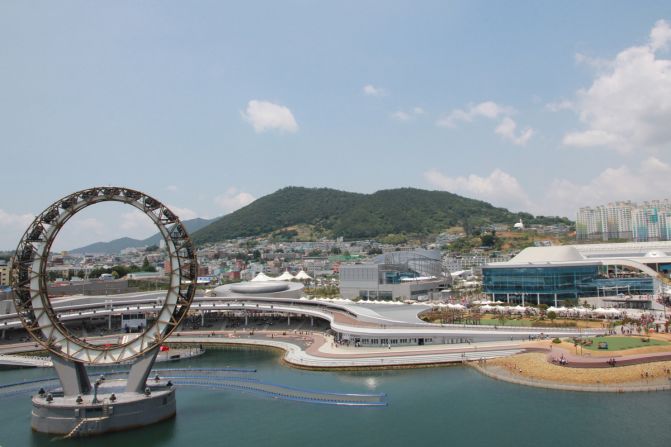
(453, 406)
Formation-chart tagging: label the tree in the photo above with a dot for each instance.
(148, 268)
(489, 239)
(552, 315)
(335, 250)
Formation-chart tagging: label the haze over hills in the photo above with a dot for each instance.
(334, 213)
(116, 245)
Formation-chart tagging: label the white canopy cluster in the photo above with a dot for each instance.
(286, 276)
(509, 309)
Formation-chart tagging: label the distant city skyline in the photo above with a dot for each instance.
(625, 220)
(533, 106)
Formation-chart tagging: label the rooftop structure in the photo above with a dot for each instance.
(411, 274)
(275, 289)
(549, 274)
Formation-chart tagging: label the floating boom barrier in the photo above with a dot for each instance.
(220, 379)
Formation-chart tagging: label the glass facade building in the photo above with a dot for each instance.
(549, 283)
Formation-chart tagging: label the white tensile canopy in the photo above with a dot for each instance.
(286, 276)
(262, 277)
(302, 275)
(455, 306)
(518, 309)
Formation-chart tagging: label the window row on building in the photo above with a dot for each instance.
(548, 284)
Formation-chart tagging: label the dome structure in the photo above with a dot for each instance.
(541, 255)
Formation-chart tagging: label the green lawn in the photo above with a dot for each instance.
(619, 343)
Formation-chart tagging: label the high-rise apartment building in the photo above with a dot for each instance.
(647, 221)
(4, 273)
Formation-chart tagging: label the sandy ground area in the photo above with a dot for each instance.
(534, 366)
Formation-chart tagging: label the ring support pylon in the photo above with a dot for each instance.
(80, 407)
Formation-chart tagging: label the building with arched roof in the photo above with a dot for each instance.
(574, 272)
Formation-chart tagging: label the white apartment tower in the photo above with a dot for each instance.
(647, 221)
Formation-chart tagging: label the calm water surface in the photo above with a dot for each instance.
(427, 407)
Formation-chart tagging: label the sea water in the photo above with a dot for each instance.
(447, 406)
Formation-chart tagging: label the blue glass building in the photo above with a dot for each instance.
(549, 275)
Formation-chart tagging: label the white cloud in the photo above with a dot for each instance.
(233, 199)
(660, 35)
(498, 188)
(371, 90)
(15, 220)
(628, 105)
(265, 116)
(135, 223)
(12, 226)
(402, 115)
(89, 225)
(646, 181)
(593, 62)
(183, 213)
(172, 188)
(487, 109)
(507, 129)
(491, 110)
(563, 104)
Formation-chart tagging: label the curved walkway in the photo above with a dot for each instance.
(578, 361)
(317, 353)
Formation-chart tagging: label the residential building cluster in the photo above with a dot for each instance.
(364, 269)
(628, 221)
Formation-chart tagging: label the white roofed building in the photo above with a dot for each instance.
(572, 272)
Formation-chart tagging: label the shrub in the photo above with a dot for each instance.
(556, 340)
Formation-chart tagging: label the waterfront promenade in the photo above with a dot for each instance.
(523, 362)
(318, 351)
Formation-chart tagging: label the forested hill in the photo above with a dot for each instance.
(334, 213)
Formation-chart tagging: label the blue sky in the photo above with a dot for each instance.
(535, 106)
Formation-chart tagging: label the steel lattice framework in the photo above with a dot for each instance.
(29, 277)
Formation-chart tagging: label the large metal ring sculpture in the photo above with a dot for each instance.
(29, 277)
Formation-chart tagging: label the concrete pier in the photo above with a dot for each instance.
(110, 409)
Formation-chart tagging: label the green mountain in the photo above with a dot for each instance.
(116, 245)
(336, 213)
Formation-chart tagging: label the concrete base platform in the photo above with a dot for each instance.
(113, 409)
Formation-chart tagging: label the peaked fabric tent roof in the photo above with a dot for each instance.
(303, 275)
(262, 277)
(286, 276)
